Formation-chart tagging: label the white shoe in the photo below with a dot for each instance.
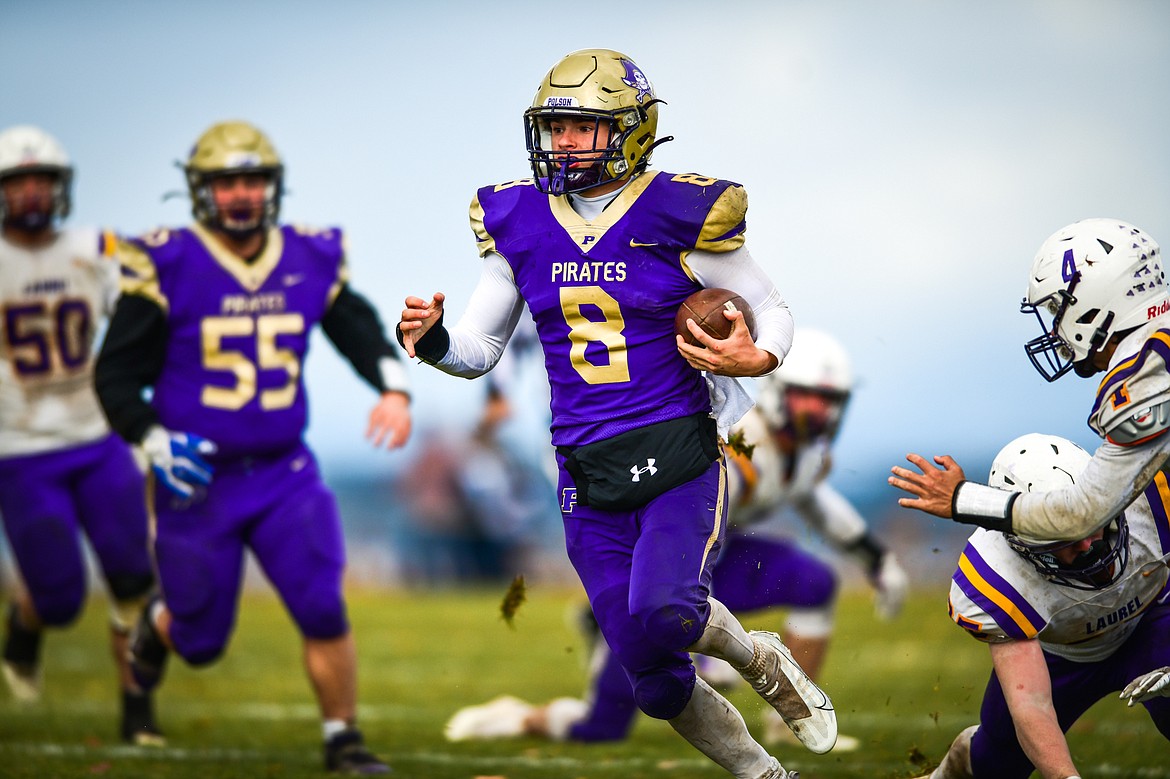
(501, 717)
(24, 682)
(779, 680)
(776, 732)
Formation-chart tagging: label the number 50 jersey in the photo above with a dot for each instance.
(52, 300)
(604, 293)
(238, 332)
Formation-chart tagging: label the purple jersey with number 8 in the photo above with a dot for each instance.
(604, 293)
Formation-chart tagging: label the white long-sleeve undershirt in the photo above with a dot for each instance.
(479, 337)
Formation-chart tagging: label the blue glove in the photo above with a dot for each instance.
(177, 460)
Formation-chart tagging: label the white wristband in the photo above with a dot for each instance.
(979, 500)
(394, 375)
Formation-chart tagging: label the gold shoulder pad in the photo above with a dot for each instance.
(139, 275)
(729, 212)
(484, 243)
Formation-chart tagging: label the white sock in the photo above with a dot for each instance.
(715, 728)
(331, 727)
(724, 637)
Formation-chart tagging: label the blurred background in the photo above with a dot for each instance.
(904, 161)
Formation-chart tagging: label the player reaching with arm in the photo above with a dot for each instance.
(62, 472)
(1067, 622)
(603, 251)
(783, 462)
(215, 319)
(1102, 284)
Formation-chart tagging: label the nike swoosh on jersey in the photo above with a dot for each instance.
(636, 244)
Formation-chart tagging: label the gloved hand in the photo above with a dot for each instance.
(1148, 686)
(892, 584)
(177, 460)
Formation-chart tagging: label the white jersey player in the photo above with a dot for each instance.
(62, 472)
(1098, 289)
(1067, 622)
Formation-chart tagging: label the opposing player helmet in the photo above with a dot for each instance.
(232, 148)
(817, 362)
(28, 149)
(1093, 278)
(604, 86)
(1037, 463)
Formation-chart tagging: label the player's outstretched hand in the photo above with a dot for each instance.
(1151, 685)
(418, 317)
(933, 488)
(892, 585)
(177, 460)
(390, 421)
(735, 355)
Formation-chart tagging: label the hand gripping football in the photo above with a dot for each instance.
(706, 307)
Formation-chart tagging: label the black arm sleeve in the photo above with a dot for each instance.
(130, 361)
(353, 326)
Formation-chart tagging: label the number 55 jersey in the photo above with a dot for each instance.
(237, 331)
(53, 299)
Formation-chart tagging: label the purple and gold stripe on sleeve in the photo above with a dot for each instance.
(1114, 381)
(991, 592)
(1158, 496)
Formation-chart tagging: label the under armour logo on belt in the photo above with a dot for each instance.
(650, 469)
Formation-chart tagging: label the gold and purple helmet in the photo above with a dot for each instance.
(604, 86)
(226, 149)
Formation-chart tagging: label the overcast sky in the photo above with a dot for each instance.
(904, 161)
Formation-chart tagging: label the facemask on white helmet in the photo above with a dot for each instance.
(1091, 280)
(1036, 463)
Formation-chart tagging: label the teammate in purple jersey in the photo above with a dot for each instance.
(215, 319)
(603, 251)
(62, 472)
(1068, 623)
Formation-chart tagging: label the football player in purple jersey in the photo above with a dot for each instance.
(215, 320)
(603, 250)
(63, 473)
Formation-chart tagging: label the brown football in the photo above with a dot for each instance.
(706, 307)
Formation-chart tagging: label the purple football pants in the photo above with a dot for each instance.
(751, 573)
(995, 751)
(49, 499)
(647, 573)
(279, 508)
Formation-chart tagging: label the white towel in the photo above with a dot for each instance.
(729, 401)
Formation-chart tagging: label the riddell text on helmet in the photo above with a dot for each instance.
(1155, 311)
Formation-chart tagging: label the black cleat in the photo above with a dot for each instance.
(346, 753)
(138, 725)
(22, 659)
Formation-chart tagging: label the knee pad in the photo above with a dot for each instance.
(663, 693)
(201, 655)
(674, 626)
(130, 586)
(59, 608)
(321, 618)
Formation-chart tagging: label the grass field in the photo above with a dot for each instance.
(904, 688)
